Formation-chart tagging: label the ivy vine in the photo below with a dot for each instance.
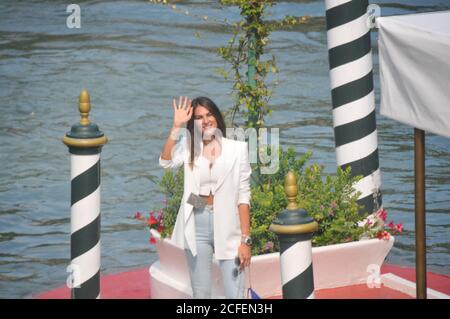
(245, 49)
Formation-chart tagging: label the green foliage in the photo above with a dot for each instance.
(332, 202)
(245, 48)
(171, 185)
(268, 199)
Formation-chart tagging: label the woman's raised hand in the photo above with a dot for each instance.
(182, 111)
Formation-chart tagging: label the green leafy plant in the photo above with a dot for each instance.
(163, 219)
(332, 202)
(246, 47)
(171, 185)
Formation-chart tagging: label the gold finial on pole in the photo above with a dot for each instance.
(85, 134)
(85, 107)
(291, 190)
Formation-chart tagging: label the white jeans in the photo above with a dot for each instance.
(200, 265)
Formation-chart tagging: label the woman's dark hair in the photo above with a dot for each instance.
(212, 107)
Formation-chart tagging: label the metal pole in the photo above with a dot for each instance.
(251, 73)
(353, 99)
(421, 256)
(252, 59)
(85, 142)
(295, 229)
(251, 80)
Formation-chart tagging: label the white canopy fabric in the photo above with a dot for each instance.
(414, 53)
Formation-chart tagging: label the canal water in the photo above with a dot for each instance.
(134, 57)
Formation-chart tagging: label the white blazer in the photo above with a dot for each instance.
(232, 189)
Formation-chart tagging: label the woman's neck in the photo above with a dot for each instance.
(206, 142)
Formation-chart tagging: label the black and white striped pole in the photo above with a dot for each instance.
(350, 58)
(85, 142)
(295, 229)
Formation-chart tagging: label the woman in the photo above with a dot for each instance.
(214, 215)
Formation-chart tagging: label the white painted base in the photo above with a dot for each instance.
(408, 287)
(334, 266)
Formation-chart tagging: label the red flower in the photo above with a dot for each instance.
(152, 221)
(152, 240)
(399, 228)
(160, 229)
(138, 215)
(383, 235)
(391, 225)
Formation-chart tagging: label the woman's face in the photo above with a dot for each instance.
(204, 120)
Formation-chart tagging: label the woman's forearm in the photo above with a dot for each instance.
(244, 217)
(170, 143)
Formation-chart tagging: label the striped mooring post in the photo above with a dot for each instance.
(85, 142)
(353, 100)
(295, 229)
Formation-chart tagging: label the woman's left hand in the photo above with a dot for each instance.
(245, 255)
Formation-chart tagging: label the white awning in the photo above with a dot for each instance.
(414, 53)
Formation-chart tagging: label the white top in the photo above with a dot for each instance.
(208, 176)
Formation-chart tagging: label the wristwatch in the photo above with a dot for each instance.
(245, 239)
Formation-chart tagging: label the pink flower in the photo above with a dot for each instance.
(382, 214)
(138, 215)
(399, 228)
(333, 204)
(268, 246)
(391, 225)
